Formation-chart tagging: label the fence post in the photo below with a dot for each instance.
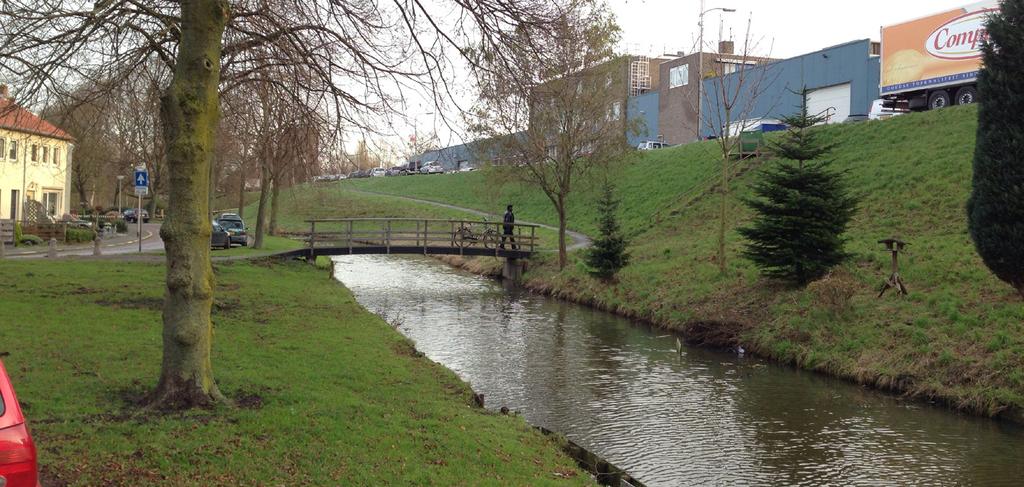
(312, 242)
(533, 238)
(3, 247)
(426, 235)
(96, 246)
(52, 252)
(350, 237)
(387, 235)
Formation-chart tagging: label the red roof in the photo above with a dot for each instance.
(13, 117)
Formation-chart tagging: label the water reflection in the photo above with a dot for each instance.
(670, 419)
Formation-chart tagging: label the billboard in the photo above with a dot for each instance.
(941, 49)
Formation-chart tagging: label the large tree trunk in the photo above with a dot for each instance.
(563, 257)
(190, 110)
(261, 208)
(275, 193)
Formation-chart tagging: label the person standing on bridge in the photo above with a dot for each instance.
(507, 228)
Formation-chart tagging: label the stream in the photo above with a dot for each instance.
(621, 390)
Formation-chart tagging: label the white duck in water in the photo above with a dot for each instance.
(739, 350)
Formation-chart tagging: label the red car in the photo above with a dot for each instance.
(18, 464)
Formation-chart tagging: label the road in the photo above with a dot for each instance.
(118, 246)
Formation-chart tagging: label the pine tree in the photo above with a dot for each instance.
(802, 207)
(608, 254)
(995, 211)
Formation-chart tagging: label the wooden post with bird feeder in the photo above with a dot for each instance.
(894, 246)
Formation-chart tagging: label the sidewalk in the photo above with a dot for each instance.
(120, 240)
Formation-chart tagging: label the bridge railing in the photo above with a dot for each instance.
(420, 233)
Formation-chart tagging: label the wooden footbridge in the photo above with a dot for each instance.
(362, 236)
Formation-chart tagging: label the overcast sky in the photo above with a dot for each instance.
(788, 27)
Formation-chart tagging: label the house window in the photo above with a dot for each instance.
(56, 156)
(679, 76)
(35, 153)
(3, 146)
(14, 150)
(51, 203)
(46, 154)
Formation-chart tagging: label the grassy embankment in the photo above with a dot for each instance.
(334, 200)
(958, 337)
(326, 393)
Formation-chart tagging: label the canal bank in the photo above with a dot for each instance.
(957, 338)
(624, 392)
(324, 392)
(729, 329)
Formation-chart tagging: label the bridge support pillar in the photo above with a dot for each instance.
(513, 269)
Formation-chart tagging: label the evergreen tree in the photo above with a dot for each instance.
(608, 254)
(802, 207)
(995, 211)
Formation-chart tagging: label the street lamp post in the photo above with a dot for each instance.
(700, 60)
(119, 198)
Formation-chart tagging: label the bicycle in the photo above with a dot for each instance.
(466, 236)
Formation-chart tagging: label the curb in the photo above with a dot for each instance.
(147, 236)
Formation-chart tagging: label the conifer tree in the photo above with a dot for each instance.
(995, 211)
(608, 255)
(802, 207)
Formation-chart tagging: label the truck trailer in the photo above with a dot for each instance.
(933, 62)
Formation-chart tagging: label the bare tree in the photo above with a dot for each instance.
(360, 52)
(557, 115)
(726, 112)
(95, 153)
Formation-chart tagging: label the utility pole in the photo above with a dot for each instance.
(700, 60)
(119, 197)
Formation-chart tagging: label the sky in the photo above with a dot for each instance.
(780, 28)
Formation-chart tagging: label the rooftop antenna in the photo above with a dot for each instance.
(721, 28)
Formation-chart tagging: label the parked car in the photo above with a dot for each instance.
(467, 169)
(130, 217)
(651, 145)
(378, 172)
(219, 238)
(879, 112)
(19, 465)
(432, 169)
(233, 224)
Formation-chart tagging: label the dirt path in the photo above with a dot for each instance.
(579, 240)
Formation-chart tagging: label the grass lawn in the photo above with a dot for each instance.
(958, 337)
(326, 393)
(271, 245)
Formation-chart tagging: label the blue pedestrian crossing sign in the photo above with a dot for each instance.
(141, 181)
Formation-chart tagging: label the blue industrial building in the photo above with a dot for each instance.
(842, 82)
(644, 109)
(450, 158)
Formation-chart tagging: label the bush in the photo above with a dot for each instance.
(30, 240)
(79, 235)
(834, 291)
(17, 233)
(121, 226)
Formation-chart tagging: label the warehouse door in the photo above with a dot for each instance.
(833, 101)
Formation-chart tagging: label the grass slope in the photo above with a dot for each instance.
(327, 393)
(959, 336)
(336, 200)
